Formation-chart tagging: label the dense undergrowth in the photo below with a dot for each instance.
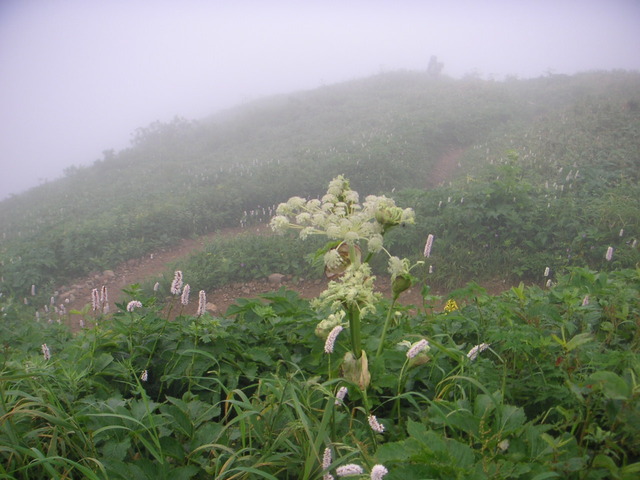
(532, 384)
(252, 395)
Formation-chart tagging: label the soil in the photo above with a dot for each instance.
(77, 295)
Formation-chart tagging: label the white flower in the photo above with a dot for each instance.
(375, 243)
(332, 259)
(378, 471)
(326, 458)
(156, 286)
(145, 376)
(331, 339)
(349, 469)
(46, 353)
(609, 254)
(546, 272)
(184, 299)
(428, 245)
(133, 304)
(104, 297)
(176, 285)
(503, 445)
(375, 425)
(342, 392)
(202, 303)
(417, 347)
(473, 353)
(397, 266)
(95, 299)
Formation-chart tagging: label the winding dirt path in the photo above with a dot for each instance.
(77, 295)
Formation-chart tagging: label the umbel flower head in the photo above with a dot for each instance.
(354, 290)
(341, 217)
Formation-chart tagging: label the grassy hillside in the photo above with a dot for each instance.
(387, 132)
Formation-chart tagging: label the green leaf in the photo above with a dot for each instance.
(578, 340)
(612, 385)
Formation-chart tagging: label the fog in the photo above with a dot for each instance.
(77, 77)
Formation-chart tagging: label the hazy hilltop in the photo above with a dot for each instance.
(385, 133)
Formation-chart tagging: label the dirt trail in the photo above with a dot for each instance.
(445, 166)
(78, 294)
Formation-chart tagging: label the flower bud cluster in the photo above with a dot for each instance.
(354, 290)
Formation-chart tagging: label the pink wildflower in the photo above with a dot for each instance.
(331, 338)
(184, 299)
(176, 285)
(585, 301)
(349, 469)
(46, 353)
(326, 463)
(342, 392)
(202, 303)
(473, 353)
(416, 348)
(133, 304)
(609, 254)
(95, 299)
(428, 245)
(378, 471)
(375, 425)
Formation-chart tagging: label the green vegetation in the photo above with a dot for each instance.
(252, 395)
(392, 131)
(537, 383)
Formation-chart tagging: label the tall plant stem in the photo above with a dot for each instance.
(386, 325)
(354, 330)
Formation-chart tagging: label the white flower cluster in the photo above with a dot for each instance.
(475, 351)
(354, 290)
(339, 216)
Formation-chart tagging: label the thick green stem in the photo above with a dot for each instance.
(354, 329)
(386, 326)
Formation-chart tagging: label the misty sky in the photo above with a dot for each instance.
(77, 77)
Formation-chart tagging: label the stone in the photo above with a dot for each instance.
(211, 307)
(276, 278)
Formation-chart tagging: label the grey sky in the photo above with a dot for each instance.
(79, 76)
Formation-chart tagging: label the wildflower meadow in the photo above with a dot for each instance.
(534, 383)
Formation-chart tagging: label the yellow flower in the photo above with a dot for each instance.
(450, 306)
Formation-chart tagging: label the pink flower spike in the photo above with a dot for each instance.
(378, 471)
(133, 304)
(95, 299)
(417, 348)
(176, 285)
(331, 338)
(475, 351)
(609, 254)
(349, 470)
(326, 458)
(46, 353)
(202, 303)
(184, 299)
(428, 245)
(375, 425)
(342, 392)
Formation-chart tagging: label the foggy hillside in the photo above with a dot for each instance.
(389, 132)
